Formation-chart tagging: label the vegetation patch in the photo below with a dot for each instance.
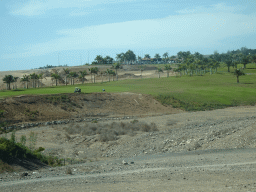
(10, 150)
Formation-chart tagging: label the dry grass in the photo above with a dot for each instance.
(110, 132)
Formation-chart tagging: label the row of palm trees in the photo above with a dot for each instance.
(35, 78)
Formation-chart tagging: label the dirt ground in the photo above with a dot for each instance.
(197, 151)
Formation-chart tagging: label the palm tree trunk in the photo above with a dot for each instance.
(158, 74)
(56, 81)
(94, 78)
(237, 79)
(109, 77)
(66, 80)
(141, 74)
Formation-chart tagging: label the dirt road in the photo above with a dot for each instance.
(211, 170)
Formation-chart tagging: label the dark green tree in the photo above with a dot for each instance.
(56, 77)
(8, 79)
(168, 68)
(238, 73)
(116, 66)
(82, 75)
(66, 71)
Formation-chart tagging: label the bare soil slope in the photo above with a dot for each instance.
(63, 106)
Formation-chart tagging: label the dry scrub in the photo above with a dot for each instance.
(110, 132)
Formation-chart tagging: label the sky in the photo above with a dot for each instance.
(36, 33)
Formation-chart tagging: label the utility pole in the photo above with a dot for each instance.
(59, 58)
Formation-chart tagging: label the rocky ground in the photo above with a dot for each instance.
(197, 151)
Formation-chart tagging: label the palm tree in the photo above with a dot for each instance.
(33, 77)
(56, 77)
(74, 75)
(37, 80)
(66, 71)
(238, 73)
(157, 56)
(82, 75)
(15, 80)
(108, 72)
(165, 55)
(95, 70)
(116, 66)
(8, 79)
(25, 79)
(168, 67)
(159, 69)
(40, 76)
(102, 72)
(91, 71)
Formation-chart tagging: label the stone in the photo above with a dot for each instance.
(24, 174)
(124, 163)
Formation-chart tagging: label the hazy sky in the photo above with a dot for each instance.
(35, 33)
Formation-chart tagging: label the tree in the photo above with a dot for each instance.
(15, 81)
(91, 69)
(245, 60)
(116, 66)
(157, 56)
(168, 68)
(82, 75)
(165, 55)
(109, 72)
(147, 56)
(66, 71)
(94, 70)
(99, 59)
(159, 69)
(101, 73)
(25, 79)
(33, 77)
(40, 76)
(74, 75)
(120, 57)
(8, 79)
(238, 73)
(130, 56)
(108, 60)
(198, 56)
(56, 77)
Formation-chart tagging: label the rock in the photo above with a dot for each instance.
(124, 163)
(24, 174)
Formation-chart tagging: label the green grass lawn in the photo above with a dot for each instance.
(190, 93)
